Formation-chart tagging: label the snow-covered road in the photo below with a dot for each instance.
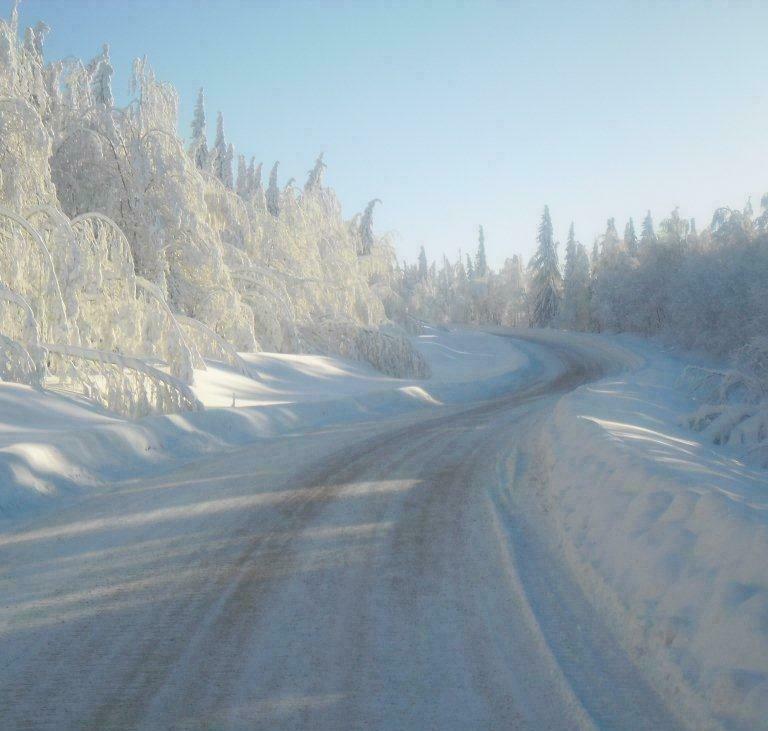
(378, 575)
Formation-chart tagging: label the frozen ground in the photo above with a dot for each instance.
(345, 550)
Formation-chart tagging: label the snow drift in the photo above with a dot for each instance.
(669, 534)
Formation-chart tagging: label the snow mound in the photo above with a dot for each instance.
(670, 534)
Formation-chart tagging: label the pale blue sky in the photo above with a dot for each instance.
(456, 114)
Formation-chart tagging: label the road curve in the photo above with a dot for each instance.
(381, 576)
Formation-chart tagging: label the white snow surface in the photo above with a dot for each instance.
(666, 534)
(53, 447)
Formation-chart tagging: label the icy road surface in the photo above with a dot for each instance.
(375, 576)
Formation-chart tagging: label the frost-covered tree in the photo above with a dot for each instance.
(250, 177)
(198, 147)
(570, 253)
(423, 266)
(546, 280)
(647, 234)
(481, 263)
(258, 194)
(575, 312)
(610, 244)
(630, 238)
(366, 228)
(461, 272)
(221, 155)
(101, 84)
(315, 180)
(470, 268)
(594, 258)
(675, 229)
(151, 257)
(242, 184)
(229, 157)
(761, 222)
(34, 39)
(273, 193)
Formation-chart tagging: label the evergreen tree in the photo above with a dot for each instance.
(423, 266)
(221, 154)
(580, 288)
(647, 235)
(481, 263)
(315, 179)
(461, 272)
(229, 157)
(546, 280)
(250, 178)
(630, 238)
(198, 148)
(242, 177)
(257, 188)
(366, 228)
(273, 193)
(575, 307)
(101, 84)
(570, 253)
(470, 268)
(610, 242)
(693, 236)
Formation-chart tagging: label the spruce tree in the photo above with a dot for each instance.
(630, 238)
(242, 177)
(570, 253)
(198, 147)
(470, 268)
(423, 266)
(580, 289)
(229, 157)
(570, 288)
(273, 193)
(366, 228)
(545, 275)
(250, 178)
(610, 242)
(647, 235)
(461, 272)
(221, 153)
(257, 188)
(481, 263)
(101, 84)
(315, 179)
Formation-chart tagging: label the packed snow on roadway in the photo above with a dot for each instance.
(665, 532)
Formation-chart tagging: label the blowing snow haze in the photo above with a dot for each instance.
(383, 366)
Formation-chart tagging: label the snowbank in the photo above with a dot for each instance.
(52, 446)
(668, 533)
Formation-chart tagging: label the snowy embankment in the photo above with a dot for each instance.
(53, 447)
(667, 532)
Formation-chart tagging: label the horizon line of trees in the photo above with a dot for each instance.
(705, 289)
